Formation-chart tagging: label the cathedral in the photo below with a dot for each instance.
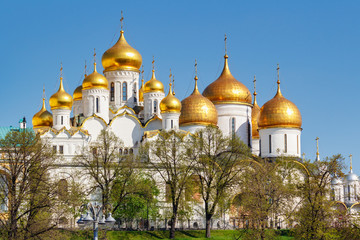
(135, 110)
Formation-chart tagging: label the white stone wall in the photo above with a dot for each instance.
(170, 121)
(90, 97)
(242, 116)
(131, 79)
(277, 146)
(255, 147)
(61, 118)
(149, 107)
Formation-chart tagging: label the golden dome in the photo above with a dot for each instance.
(95, 80)
(279, 113)
(61, 99)
(121, 56)
(226, 89)
(197, 109)
(141, 91)
(77, 95)
(255, 115)
(43, 118)
(153, 85)
(170, 103)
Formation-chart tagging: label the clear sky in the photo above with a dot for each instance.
(316, 44)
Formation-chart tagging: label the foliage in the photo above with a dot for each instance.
(169, 160)
(316, 214)
(26, 187)
(217, 164)
(104, 164)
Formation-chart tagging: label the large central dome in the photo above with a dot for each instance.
(121, 56)
(226, 89)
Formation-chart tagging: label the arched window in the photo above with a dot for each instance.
(62, 120)
(131, 151)
(269, 143)
(172, 124)
(155, 106)
(233, 126)
(125, 151)
(285, 143)
(97, 105)
(112, 92)
(120, 151)
(124, 91)
(135, 91)
(349, 192)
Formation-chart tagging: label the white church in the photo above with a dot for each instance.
(135, 110)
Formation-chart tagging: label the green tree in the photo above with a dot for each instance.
(106, 166)
(26, 188)
(316, 213)
(218, 162)
(168, 157)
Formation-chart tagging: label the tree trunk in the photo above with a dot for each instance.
(208, 225)
(172, 229)
(12, 234)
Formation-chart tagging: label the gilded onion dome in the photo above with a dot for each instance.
(43, 118)
(197, 109)
(170, 103)
(141, 91)
(95, 81)
(61, 99)
(226, 89)
(121, 56)
(77, 95)
(279, 113)
(255, 115)
(153, 85)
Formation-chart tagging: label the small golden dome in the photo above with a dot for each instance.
(153, 85)
(77, 95)
(43, 118)
(61, 99)
(170, 103)
(121, 56)
(226, 89)
(95, 81)
(197, 109)
(255, 115)
(279, 113)
(141, 91)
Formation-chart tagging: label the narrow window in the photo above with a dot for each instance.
(62, 120)
(125, 151)
(131, 151)
(172, 124)
(97, 105)
(135, 90)
(78, 120)
(285, 143)
(233, 126)
(349, 192)
(112, 92)
(297, 143)
(269, 143)
(260, 147)
(249, 134)
(124, 91)
(120, 151)
(155, 106)
(61, 149)
(54, 149)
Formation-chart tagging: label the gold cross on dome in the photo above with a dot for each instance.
(278, 73)
(254, 83)
(153, 63)
(121, 20)
(225, 39)
(350, 162)
(195, 67)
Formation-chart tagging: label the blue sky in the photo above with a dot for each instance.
(316, 44)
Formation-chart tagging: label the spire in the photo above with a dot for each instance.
(196, 90)
(278, 80)
(170, 91)
(94, 60)
(255, 89)
(173, 85)
(85, 70)
(225, 39)
(43, 98)
(61, 87)
(122, 21)
(351, 169)
(317, 150)
(153, 68)
(226, 69)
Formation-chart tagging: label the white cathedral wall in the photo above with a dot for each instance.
(150, 107)
(131, 79)
(192, 128)
(77, 107)
(255, 146)
(61, 118)
(128, 129)
(90, 97)
(94, 126)
(170, 121)
(242, 116)
(276, 147)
